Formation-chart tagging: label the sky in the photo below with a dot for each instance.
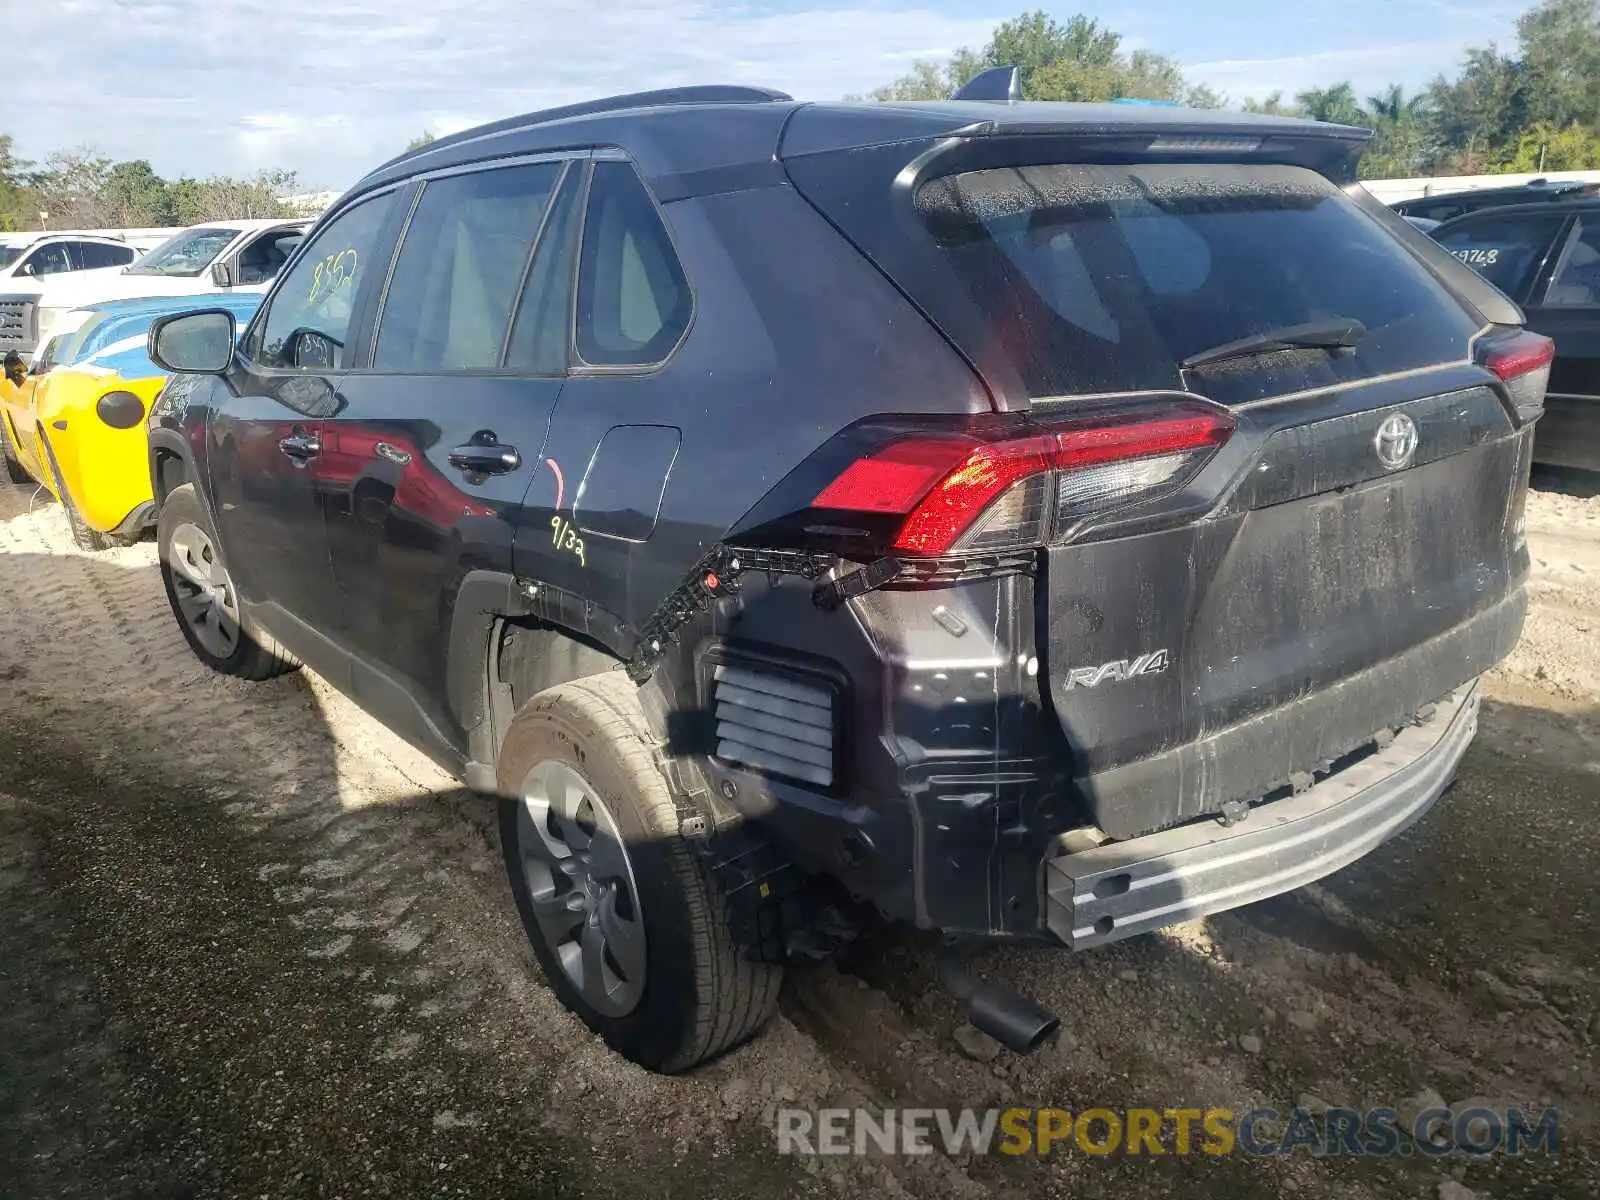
(330, 88)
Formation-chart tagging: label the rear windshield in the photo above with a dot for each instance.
(1106, 278)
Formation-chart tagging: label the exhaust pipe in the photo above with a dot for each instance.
(1010, 1018)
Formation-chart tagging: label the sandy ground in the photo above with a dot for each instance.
(252, 945)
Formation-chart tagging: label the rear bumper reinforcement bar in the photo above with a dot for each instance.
(1145, 883)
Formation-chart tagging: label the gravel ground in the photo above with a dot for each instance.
(252, 945)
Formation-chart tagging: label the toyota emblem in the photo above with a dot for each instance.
(1396, 442)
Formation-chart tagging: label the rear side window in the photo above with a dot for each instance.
(460, 269)
(1106, 278)
(1505, 250)
(633, 298)
(1575, 283)
(99, 254)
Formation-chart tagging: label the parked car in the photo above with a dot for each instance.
(1448, 205)
(1546, 257)
(76, 422)
(1034, 521)
(233, 256)
(28, 261)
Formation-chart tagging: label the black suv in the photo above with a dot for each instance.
(1546, 257)
(1449, 205)
(1034, 521)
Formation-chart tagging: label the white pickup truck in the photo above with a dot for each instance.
(244, 255)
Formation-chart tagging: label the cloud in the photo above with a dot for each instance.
(332, 87)
(1367, 69)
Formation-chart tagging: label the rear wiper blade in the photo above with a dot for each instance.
(1338, 333)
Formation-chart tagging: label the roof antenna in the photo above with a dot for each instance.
(999, 85)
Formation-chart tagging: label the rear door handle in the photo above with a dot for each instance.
(301, 446)
(485, 458)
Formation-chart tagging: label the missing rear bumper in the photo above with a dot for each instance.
(1130, 887)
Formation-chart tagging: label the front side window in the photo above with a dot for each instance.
(308, 317)
(49, 260)
(461, 264)
(184, 255)
(1575, 282)
(633, 298)
(262, 259)
(1505, 250)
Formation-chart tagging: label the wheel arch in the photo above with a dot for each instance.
(169, 464)
(507, 644)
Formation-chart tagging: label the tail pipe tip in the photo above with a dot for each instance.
(1012, 1019)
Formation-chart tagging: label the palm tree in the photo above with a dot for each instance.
(1337, 104)
(1393, 104)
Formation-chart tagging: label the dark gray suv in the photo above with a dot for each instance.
(1031, 521)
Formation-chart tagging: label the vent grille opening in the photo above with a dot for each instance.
(776, 724)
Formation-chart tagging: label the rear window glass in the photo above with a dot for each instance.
(1106, 278)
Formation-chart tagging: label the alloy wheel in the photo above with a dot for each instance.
(580, 880)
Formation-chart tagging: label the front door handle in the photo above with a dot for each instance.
(301, 446)
(485, 455)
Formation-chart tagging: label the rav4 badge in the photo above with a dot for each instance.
(1117, 672)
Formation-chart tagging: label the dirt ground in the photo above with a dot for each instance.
(250, 945)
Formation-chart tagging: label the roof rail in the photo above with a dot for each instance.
(716, 93)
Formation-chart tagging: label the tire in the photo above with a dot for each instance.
(182, 530)
(84, 536)
(699, 996)
(15, 471)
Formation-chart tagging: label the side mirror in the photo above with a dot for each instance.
(30, 269)
(199, 343)
(222, 275)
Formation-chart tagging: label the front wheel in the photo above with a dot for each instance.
(15, 471)
(629, 925)
(203, 598)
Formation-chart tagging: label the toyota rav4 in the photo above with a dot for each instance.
(1029, 521)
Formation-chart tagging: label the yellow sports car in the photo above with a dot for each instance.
(74, 420)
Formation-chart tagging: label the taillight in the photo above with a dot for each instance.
(1522, 361)
(968, 494)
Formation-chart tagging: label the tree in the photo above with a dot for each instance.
(927, 80)
(18, 208)
(1544, 147)
(133, 195)
(1273, 106)
(1075, 59)
(1560, 68)
(421, 140)
(1337, 104)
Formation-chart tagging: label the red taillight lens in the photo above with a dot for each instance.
(1515, 356)
(893, 479)
(971, 495)
(1522, 361)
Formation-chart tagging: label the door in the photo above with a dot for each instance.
(265, 437)
(592, 525)
(427, 461)
(1566, 309)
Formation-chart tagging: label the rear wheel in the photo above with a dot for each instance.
(84, 536)
(15, 471)
(628, 923)
(203, 597)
